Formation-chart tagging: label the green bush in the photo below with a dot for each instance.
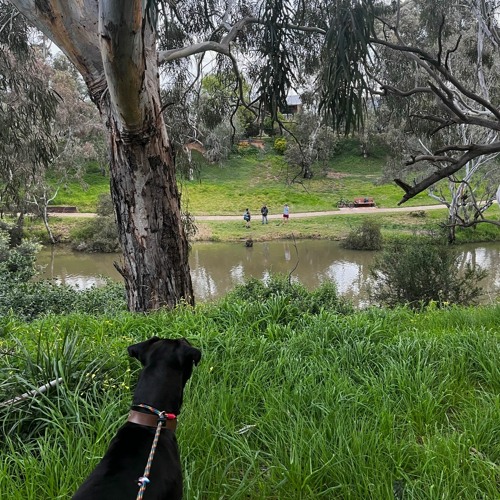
(422, 273)
(365, 237)
(100, 234)
(17, 263)
(260, 291)
(31, 300)
(280, 144)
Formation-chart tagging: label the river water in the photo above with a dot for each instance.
(217, 267)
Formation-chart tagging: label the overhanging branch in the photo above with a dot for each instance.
(221, 47)
(473, 151)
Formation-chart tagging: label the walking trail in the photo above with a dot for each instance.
(299, 215)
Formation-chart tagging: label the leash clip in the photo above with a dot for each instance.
(163, 417)
(143, 480)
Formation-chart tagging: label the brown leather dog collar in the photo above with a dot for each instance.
(150, 420)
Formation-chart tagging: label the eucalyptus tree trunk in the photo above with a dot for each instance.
(147, 207)
(112, 43)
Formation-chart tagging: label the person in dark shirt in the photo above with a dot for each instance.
(264, 211)
(247, 217)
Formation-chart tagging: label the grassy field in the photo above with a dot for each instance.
(262, 177)
(285, 404)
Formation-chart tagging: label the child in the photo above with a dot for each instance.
(246, 218)
(286, 213)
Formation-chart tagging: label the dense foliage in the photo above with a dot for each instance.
(27, 299)
(99, 234)
(419, 273)
(297, 297)
(367, 236)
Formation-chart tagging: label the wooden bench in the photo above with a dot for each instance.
(364, 202)
(61, 210)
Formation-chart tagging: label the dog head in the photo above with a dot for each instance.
(177, 354)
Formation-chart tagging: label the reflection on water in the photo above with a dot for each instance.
(217, 267)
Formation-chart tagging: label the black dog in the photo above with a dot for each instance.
(168, 364)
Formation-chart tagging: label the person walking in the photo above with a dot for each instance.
(264, 211)
(247, 217)
(286, 213)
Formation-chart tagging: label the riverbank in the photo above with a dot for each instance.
(331, 225)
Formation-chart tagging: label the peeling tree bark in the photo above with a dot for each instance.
(155, 251)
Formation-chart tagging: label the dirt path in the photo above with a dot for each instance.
(340, 211)
(300, 215)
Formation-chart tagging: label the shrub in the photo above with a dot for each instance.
(323, 297)
(365, 237)
(256, 290)
(99, 234)
(31, 300)
(17, 263)
(423, 273)
(280, 145)
(326, 297)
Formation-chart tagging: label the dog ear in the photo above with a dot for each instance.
(191, 354)
(140, 350)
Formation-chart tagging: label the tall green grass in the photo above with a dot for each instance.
(286, 403)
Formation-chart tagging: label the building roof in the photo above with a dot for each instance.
(293, 100)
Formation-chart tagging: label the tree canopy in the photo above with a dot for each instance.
(27, 108)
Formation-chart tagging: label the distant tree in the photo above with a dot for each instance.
(446, 55)
(27, 111)
(310, 141)
(48, 128)
(406, 118)
(77, 134)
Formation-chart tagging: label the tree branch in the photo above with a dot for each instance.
(456, 164)
(67, 25)
(221, 47)
(423, 58)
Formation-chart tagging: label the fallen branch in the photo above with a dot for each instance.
(32, 393)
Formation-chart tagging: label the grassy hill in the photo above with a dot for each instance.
(254, 177)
